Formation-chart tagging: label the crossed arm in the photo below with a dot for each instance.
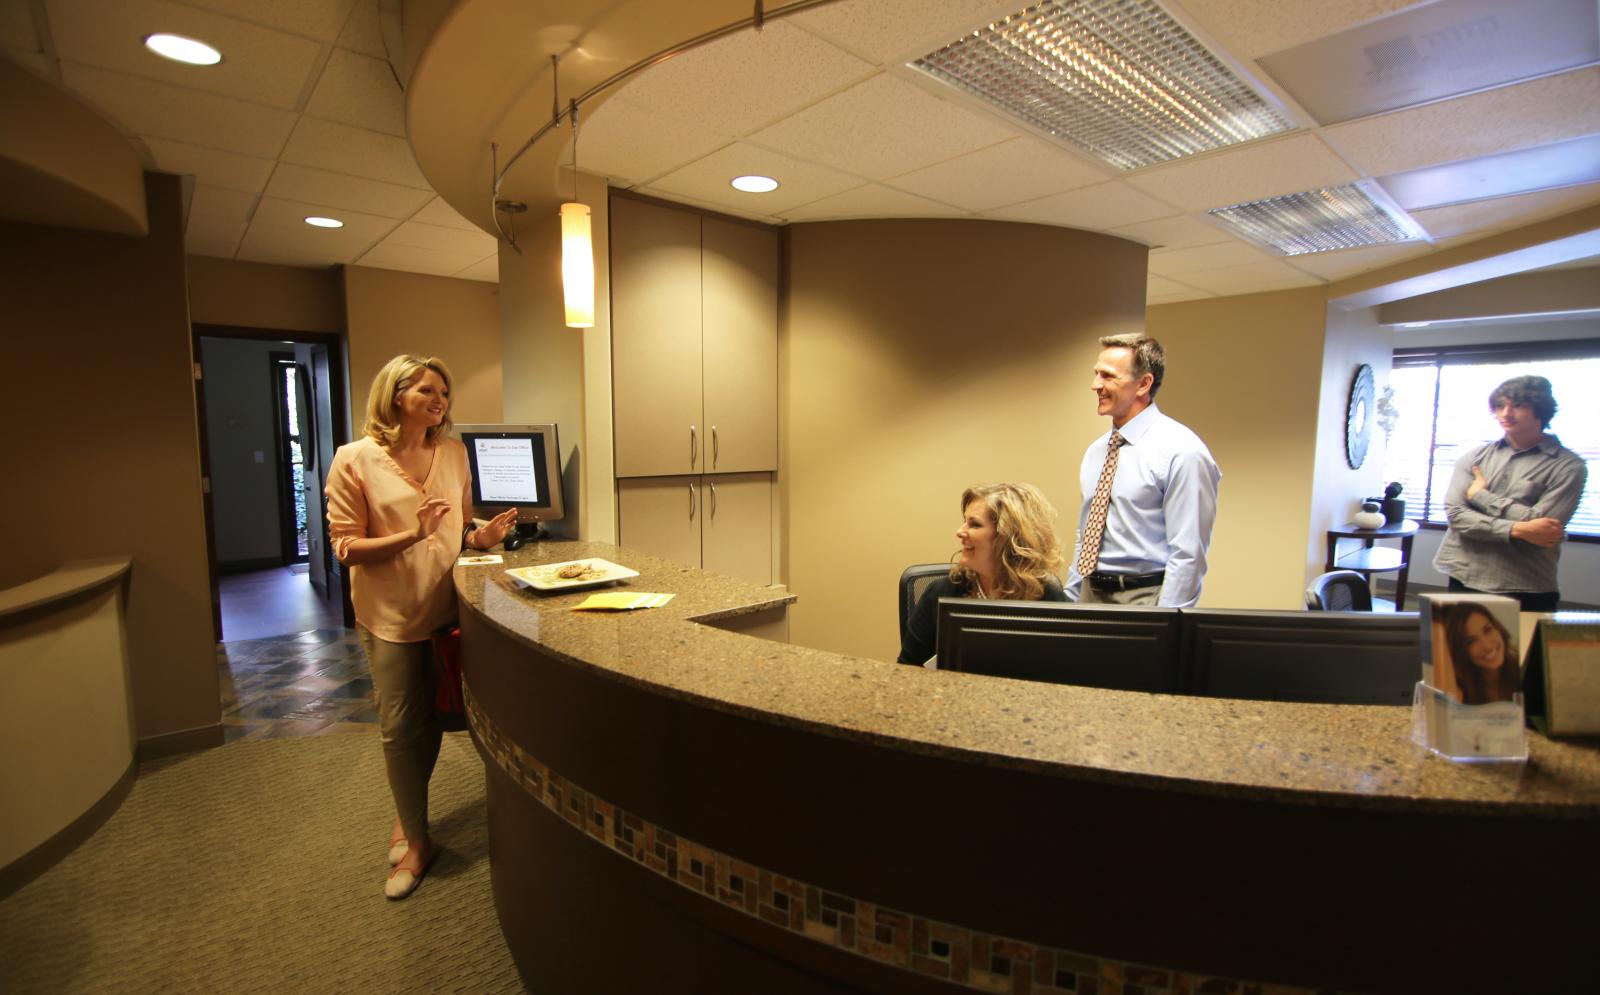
(1474, 510)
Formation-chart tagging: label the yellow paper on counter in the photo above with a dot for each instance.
(621, 601)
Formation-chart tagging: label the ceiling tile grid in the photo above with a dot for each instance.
(892, 126)
(305, 113)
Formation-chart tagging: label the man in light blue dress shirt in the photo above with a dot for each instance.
(1163, 492)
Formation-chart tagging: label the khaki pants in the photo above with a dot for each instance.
(1087, 595)
(406, 677)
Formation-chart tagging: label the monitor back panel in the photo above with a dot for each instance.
(1344, 658)
(1125, 649)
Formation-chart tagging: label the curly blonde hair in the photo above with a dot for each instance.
(383, 423)
(1027, 552)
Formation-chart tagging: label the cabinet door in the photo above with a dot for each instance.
(740, 304)
(661, 516)
(655, 334)
(736, 535)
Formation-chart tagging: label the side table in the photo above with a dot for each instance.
(1369, 558)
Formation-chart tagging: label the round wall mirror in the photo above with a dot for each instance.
(1358, 422)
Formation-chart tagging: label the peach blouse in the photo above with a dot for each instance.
(407, 597)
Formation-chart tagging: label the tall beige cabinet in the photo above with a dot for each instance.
(694, 327)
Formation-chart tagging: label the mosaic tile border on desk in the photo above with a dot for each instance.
(984, 962)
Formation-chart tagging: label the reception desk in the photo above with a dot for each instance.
(677, 804)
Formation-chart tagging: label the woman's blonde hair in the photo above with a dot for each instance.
(383, 420)
(1027, 552)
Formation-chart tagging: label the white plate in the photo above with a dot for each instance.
(597, 572)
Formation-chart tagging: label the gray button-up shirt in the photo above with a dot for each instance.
(1543, 481)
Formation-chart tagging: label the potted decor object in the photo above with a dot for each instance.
(1369, 517)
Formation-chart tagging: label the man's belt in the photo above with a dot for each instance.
(1125, 582)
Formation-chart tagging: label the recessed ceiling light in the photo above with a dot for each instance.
(1120, 79)
(325, 222)
(1415, 324)
(181, 49)
(754, 184)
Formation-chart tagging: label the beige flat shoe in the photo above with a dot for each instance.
(403, 880)
(397, 850)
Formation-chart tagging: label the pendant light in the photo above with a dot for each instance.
(577, 247)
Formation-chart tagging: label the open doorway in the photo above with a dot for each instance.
(272, 410)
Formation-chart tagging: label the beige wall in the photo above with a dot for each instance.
(388, 313)
(1243, 373)
(1353, 339)
(107, 460)
(898, 388)
(261, 295)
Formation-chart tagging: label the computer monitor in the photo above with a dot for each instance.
(1338, 658)
(1104, 646)
(515, 466)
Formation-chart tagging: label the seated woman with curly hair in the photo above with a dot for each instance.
(1008, 550)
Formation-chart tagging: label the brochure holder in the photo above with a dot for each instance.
(1479, 733)
(1562, 675)
(1468, 705)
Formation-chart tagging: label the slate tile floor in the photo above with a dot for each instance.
(304, 684)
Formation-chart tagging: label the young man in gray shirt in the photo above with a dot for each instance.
(1509, 502)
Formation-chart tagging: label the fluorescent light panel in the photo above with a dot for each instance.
(1543, 167)
(1318, 221)
(1119, 79)
(1435, 50)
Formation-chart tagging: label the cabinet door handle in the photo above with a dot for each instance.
(691, 502)
(714, 450)
(713, 499)
(694, 447)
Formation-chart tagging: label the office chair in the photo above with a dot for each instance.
(913, 582)
(1339, 591)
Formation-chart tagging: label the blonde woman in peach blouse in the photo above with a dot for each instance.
(397, 502)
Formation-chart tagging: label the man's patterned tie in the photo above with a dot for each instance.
(1095, 528)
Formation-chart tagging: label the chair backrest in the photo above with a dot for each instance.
(913, 582)
(1339, 591)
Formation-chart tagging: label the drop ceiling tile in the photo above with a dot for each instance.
(1484, 217)
(758, 77)
(390, 255)
(1253, 279)
(886, 33)
(1551, 109)
(798, 182)
(1173, 233)
(871, 201)
(217, 220)
(363, 30)
(1253, 28)
(882, 128)
(1007, 173)
(258, 64)
(1177, 262)
(319, 19)
(487, 271)
(361, 91)
(278, 230)
(1539, 167)
(416, 235)
(340, 148)
(210, 167)
(342, 192)
(1246, 173)
(1157, 286)
(1107, 205)
(1176, 297)
(16, 27)
(161, 110)
(632, 145)
(1343, 263)
(437, 212)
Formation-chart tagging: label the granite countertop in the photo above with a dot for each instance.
(1340, 755)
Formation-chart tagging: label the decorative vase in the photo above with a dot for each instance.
(1369, 517)
(1394, 510)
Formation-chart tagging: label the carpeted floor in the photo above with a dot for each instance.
(259, 867)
